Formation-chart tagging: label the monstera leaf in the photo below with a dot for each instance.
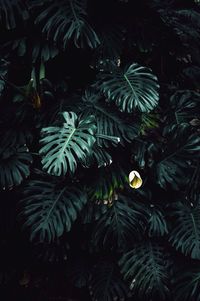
(108, 122)
(14, 165)
(120, 224)
(99, 157)
(185, 234)
(186, 105)
(157, 222)
(65, 146)
(12, 10)
(183, 145)
(146, 269)
(134, 88)
(49, 209)
(66, 20)
(187, 283)
(106, 284)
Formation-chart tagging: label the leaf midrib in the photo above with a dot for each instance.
(66, 143)
(194, 226)
(74, 13)
(130, 85)
(54, 204)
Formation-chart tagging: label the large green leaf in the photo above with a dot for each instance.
(49, 209)
(182, 145)
(108, 122)
(157, 225)
(99, 156)
(187, 283)
(65, 146)
(134, 88)
(66, 20)
(14, 165)
(185, 105)
(120, 224)
(185, 234)
(146, 269)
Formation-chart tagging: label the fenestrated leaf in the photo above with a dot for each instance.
(99, 156)
(134, 88)
(66, 20)
(12, 10)
(49, 209)
(187, 283)
(108, 122)
(66, 146)
(157, 225)
(120, 224)
(185, 234)
(182, 145)
(185, 106)
(14, 165)
(146, 269)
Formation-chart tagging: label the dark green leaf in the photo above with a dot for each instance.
(65, 146)
(48, 209)
(134, 88)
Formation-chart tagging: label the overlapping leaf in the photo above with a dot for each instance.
(187, 283)
(183, 145)
(15, 161)
(185, 234)
(146, 268)
(66, 146)
(66, 20)
(134, 88)
(49, 209)
(185, 105)
(109, 123)
(120, 224)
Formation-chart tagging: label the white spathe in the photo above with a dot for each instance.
(135, 180)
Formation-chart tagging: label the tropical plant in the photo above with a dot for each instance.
(100, 150)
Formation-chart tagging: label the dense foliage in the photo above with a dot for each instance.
(90, 91)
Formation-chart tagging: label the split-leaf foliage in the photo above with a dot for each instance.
(89, 91)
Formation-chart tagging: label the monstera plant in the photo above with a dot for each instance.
(100, 150)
